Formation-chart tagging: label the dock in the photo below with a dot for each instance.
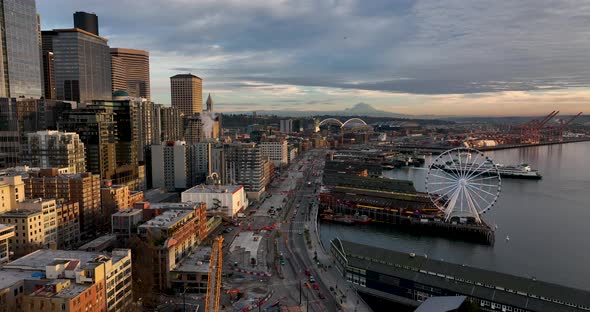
(396, 203)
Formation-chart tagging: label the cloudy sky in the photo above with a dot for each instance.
(451, 57)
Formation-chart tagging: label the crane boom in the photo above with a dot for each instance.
(547, 118)
(572, 119)
(214, 276)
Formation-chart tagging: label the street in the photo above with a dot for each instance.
(286, 247)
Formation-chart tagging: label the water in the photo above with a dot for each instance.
(547, 220)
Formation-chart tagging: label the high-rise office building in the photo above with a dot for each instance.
(48, 75)
(20, 69)
(156, 123)
(81, 64)
(145, 127)
(128, 121)
(193, 129)
(20, 116)
(131, 71)
(170, 165)
(218, 163)
(87, 22)
(172, 129)
(55, 149)
(245, 165)
(125, 110)
(200, 162)
(187, 93)
(98, 131)
(286, 126)
(276, 149)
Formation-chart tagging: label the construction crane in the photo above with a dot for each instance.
(563, 124)
(214, 276)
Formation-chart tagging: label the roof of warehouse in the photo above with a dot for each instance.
(385, 261)
(380, 184)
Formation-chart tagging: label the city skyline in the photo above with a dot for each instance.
(408, 57)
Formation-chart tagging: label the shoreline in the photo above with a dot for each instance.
(438, 150)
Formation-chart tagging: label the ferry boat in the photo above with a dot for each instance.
(522, 171)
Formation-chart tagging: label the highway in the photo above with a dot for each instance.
(293, 289)
(286, 250)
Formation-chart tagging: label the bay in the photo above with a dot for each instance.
(547, 220)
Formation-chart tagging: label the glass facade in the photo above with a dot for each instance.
(81, 65)
(21, 62)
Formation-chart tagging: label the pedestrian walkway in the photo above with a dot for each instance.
(330, 276)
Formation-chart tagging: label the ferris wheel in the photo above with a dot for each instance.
(463, 183)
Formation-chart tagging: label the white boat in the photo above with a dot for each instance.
(522, 171)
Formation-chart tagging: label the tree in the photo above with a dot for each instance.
(144, 283)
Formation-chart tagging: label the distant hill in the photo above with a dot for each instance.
(360, 109)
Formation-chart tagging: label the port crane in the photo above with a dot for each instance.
(530, 132)
(214, 276)
(563, 124)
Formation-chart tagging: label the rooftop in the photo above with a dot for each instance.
(379, 184)
(114, 186)
(158, 195)
(21, 213)
(37, 260)
(70, 291)
(189, 75)
(9, 277)
(5, 226)
(196, 262)
(441, 304)
(166, 219)
(181, 206)
(204, 188)
(527, 293)
(78, 30)
(97, 242)
(127, 212)
(120, 51)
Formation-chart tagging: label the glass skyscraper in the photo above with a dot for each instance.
(21, 63)
(81, 64)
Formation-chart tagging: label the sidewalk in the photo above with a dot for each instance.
(331, 277)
